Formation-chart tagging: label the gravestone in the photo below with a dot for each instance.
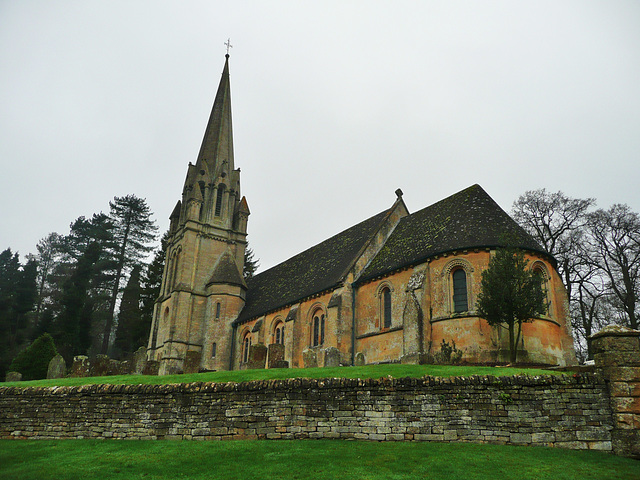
(309, 358)
(332, 357)
(151, 367)
(81, 366)
(139, 361)
(103, 366)
(257, 356)
(57, 367)
(276, 356)
(192, 362)
(359, 360)
(13, 377)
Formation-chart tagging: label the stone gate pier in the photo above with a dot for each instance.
(617, 357)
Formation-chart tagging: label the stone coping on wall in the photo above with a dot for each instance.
(306, 383)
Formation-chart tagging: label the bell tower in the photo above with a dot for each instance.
(203, 290)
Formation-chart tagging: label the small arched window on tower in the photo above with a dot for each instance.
(218, 307)
(246, 345)
(214, 347)
(219, 197)
(318, 328)
(386, 307)
(460, 298)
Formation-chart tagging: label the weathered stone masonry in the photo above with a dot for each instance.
(562, 411)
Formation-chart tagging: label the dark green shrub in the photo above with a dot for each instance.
(33, 362)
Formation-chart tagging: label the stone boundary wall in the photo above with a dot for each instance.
(571, 411)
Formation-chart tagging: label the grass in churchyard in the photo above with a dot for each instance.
(367, 371)
(302, 459)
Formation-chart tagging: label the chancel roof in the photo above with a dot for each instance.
(467, 219)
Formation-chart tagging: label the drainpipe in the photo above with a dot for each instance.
(233, 344)
(353, 325)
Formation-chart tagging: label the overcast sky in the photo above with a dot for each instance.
(335, 105)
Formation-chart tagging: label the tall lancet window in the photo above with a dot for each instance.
(219, 200)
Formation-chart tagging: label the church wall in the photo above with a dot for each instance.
(426, 290)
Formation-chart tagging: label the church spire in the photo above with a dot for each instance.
(216, 152)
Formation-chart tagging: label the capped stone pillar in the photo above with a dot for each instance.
(617, 356)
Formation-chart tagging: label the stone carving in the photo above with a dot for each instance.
(416, 281)
(57, 367)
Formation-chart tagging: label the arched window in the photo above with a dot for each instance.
(386, 307)
(460, 298)
(219, 200)
(246, 345)
(213, 350)
(278, 333)
(539, 269)
(218, 310)
(318, 328)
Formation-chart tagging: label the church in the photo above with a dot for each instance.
(396, 287)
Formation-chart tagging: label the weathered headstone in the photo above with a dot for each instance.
(151, 367)
(100, 366)
(359, 360)
(13, 377)
(257, 356)
(275, 354)
(309, 358)
(192, 362)
(332, 357)
(81, 366)
(57, 367)
(139, 361)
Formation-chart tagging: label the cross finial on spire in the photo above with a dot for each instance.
(228, 45)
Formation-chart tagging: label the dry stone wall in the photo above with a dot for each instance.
(569, 411)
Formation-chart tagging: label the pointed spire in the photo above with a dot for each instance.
(216, 152)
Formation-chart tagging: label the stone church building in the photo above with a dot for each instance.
(391, 288)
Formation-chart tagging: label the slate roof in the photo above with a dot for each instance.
(226, 271)
(313, 271)
(467, 219)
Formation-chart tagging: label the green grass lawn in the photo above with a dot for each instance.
(368, 371)
(303, 459)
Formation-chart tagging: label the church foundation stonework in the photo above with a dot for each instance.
(391, 288)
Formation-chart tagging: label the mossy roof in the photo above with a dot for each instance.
(465, 220)
(315, 270)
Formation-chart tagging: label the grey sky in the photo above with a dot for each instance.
(335, 105)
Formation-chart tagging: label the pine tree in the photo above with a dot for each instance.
(73, 325)
(9, 275)
(152, 282)
(251, 263)
(133, 232)
(511, 294)
(131, 330)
